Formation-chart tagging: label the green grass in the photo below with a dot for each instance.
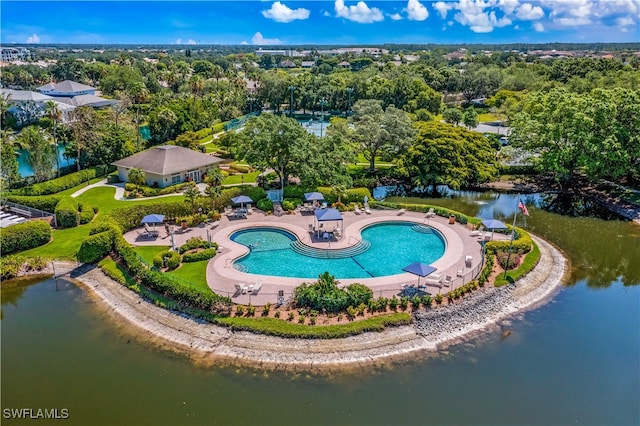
(237, 179)
(64, 245)
(191, 274)
(485, 117)
(282, 328)
(82, 185)
(530, 261)
(103, 197)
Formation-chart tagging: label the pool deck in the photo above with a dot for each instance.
(222, 277)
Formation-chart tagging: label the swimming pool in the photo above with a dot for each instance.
(393, 245)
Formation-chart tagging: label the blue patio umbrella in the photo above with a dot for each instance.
(242, 199)
(420, 269)
(153, 218)
(313, 196)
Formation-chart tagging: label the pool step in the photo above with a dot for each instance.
(422, 229)
(240, 267)
(359, 248)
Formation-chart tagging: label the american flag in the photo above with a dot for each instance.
(522, 207)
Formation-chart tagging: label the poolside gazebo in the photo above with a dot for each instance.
(327, 215)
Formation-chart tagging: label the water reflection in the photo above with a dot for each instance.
(601, 250)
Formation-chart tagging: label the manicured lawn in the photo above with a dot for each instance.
(236, 179)
(103, 198)
(482, 118)
(64, 246)
(192, 274)
(82, 185)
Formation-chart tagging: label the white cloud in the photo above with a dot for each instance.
(442, 8)
(281, 13)
(244, 42)
(570, 13)
(190, 41)
(416, 11)
(33, 39)
(508, 6)
(625, 21)
(360, 13)
(472, 14)
(538, 27)
(260, 40)
(178, 41)
(395, 17)
(527, 12)
(326, 13)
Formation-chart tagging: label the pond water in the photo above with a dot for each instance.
(575, 360)
(25, 169)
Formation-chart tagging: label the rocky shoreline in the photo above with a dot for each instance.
(431, 330)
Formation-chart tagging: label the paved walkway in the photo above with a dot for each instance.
(222, 276)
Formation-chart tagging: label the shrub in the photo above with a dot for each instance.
(290, 204)
(10, 266)
(529, 262)
(86, 213)
(47, 203)
(193, 243)
(522, 242)
(358, 294)
(356, 195)
(95, 247)
(238, 168)
(24, 236)
(67, 212)
(508, 260)
(255, 193)
(265, 205)
(65, 182)
(129, 217)
(201, 255)
(324, 295)
(168, 259)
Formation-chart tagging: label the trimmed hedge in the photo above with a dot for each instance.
(65, 182)
(172, 259)
(86, 213)
(47, 203)
(278, 327)
(10, 266)
(153, 192)
(24, 236)
(67, 212)
(129, 217)
(205, 254)
(255, 193)
(440, 211)
(522, 241)
(95, 247)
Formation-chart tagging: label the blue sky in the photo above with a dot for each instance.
(319, 22)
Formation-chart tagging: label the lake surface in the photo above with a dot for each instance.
(25, 169)
(575, 360)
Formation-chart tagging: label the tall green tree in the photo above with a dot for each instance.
(470, 117)
(377, 131)
(445, 154)
(274, 142)
(8, 161)
(41, 155)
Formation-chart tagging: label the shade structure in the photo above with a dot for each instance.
(323, 215)
(153, 218)
(313, 196)
(420, 269)
(493, 224)
(241, 199)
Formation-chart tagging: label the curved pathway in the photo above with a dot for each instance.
(208, 343)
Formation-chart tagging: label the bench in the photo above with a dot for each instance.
(20, 211)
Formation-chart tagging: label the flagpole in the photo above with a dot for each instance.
(513, 231)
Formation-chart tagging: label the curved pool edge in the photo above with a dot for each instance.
(338, 249)
(208, 344)
(222, 277)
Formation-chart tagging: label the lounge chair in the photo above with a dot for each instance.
(366, 208)
(431, 213)
(447, 281)
(256, 287)
(324, 205)
(356, 209)
(474, 233)
(401, 211)
(238, 288)
(249, 209)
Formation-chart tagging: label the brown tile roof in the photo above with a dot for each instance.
(167, 159)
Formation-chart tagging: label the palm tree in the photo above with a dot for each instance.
(339, 191)
(213, 193)
(214, 177)
(137, 177)
(40, 158)
(191, 194)
(53, 112)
